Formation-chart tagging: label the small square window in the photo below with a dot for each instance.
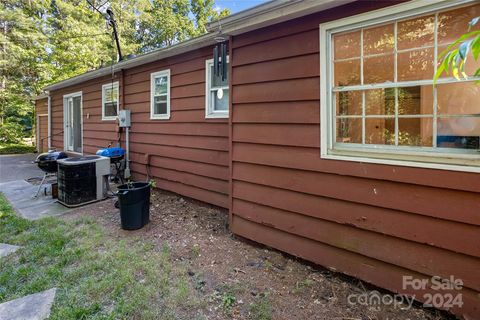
(217, 93)
(160, 95)
(110, 101)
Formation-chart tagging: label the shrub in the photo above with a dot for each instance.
(11, 132)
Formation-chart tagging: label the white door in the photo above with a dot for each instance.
(73, 122)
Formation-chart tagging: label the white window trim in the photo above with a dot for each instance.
(209, 112)
(448, 161)
(163, 116)
(107, 86)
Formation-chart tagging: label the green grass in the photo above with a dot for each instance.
(97, 276)
(16, 148)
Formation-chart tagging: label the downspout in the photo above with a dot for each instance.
(127, 129)
(49, 114)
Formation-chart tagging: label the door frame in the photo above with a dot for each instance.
(65, 106)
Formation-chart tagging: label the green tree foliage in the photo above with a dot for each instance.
(45, 41)
(454, 58)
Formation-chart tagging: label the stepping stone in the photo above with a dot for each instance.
(32, 307)
(6, 249)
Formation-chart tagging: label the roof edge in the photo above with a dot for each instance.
(271, 12)
(40, 96)
(182, 47)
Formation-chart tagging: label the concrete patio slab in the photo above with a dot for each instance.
(18, 167)
(20, 194)
(6, 249)
(32, 307)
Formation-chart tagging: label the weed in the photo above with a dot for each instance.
(195, 252)
(261, 309)
(303, 285)
(228, 301)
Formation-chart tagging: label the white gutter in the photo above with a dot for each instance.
(269, 13)
(49, 132)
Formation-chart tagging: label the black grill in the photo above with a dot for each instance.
(47, 162)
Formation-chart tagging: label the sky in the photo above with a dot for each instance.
(237, 5)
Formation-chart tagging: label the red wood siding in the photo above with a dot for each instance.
(188, 154)
(375, 222)
(41, 130)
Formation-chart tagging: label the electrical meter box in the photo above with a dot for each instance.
(124, 118)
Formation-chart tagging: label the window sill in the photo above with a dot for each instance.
(219, 115)
(160, 117)
(471, 164)
(109, 118)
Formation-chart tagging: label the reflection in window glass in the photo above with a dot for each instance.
(415, 132)
(349, 130)
(416, 33)
(378, 40)
(347, 45)
(415, 100)
(382, 101)
(380, 131)
(217, 92)
(110, 100)
(349, 102)
(415, 65)
(461, 133)
(160, 95)
(453, 23)
(347, 73)
(458, 98)
(378, 69)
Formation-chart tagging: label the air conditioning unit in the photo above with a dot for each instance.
(81, 180)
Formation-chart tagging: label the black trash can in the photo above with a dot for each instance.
(134, 203)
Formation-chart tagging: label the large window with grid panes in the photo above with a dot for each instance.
(380, 102)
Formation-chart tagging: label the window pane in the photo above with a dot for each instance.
(346, 45)
(110, 109)
(110, 94)
(415, 65)
(378, 40)
(347, 72)
(349, 102)
(216, 81)
(379, 131)
(220, 104)
(458, 98)
(452, 24)
(378, 69)
(380, 102)
(349, 130)
(161, 84)
(415, 100)
(415, 33)
(160, 107)
(415, 132)
(461, 133)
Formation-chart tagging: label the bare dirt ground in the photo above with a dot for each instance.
(232, 278)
